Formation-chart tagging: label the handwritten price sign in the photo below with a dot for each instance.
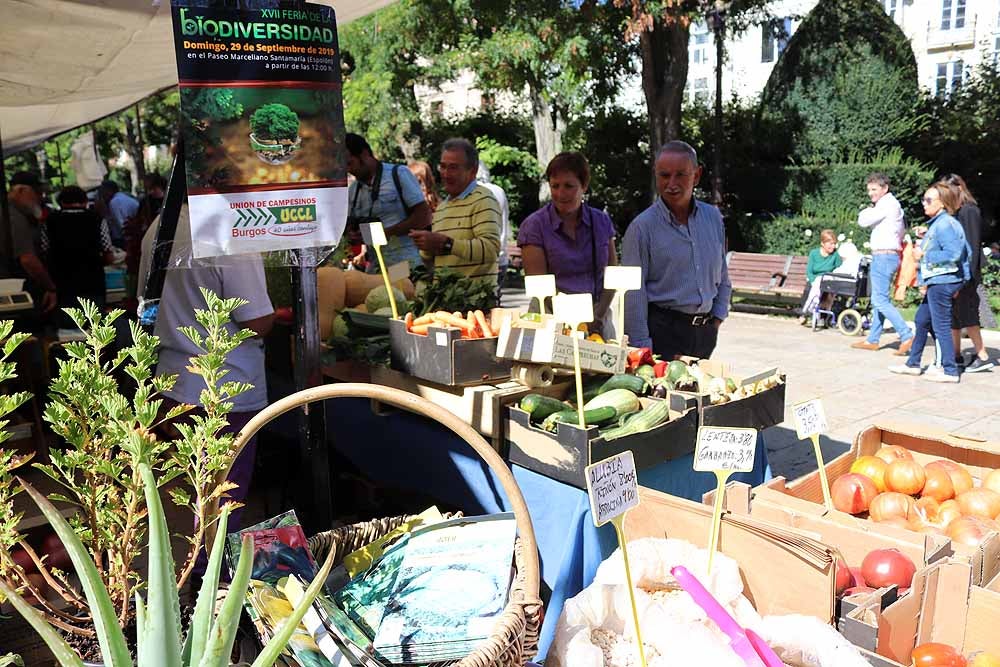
(613, 487)
(731, 449)
(810, 419)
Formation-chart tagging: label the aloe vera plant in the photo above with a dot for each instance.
(209, 639)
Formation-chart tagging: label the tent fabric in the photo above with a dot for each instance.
(64, 63)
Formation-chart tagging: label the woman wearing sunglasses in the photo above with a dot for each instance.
(943, 254)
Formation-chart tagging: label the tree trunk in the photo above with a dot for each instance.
(549, 124)
(664, 50)
(133, 144)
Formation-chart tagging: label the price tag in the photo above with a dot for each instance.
(573, 310)
(613, 489)
(540, 287)
(730, 449)
(810, 419)
(810, 422)
(723, 451)
(374, 235)
(622, 279)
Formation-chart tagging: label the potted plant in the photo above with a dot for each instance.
(274, 133)
(109, 438)
(209, 639)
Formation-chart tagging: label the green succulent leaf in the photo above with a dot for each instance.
(109, 634)
(201, 620)
(163, 626)
(66, 656)
(223, 634)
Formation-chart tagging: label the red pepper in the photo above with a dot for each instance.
(660, 368)
(639, 356)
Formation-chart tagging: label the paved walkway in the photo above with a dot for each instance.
(855, 386)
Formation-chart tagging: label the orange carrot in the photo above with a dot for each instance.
(419, 329)
(483, 324)
(452, 320)
(424, 319)
(409, 321)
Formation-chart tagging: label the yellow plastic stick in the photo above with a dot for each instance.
(388, 285)
(617, 522)
(722, 476)
(827, 499)
(579, 380)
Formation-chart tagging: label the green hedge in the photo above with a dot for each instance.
(836, 192)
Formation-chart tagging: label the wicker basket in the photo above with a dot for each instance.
(514, 640)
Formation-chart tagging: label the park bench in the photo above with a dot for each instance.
(774, 280)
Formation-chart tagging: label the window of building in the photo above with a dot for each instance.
(698, 49)
(950, 77)
(890, 8)
(701, 89)
(952, 14)
(487, 101)
(437, 108)
(774, 38)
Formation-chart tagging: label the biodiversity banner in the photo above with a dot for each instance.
(263, 125)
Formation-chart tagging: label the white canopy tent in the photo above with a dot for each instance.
(64, 63)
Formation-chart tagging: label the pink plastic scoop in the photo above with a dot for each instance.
(747, 644)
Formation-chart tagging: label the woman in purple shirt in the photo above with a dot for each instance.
(568, 238)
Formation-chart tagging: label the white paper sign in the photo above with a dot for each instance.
(373, 233)
(540, 286)
(623, 278)
(721, 448)
(573, 309)
(810, 418)
(613, 487)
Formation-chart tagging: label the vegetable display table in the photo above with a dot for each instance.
(442, 465)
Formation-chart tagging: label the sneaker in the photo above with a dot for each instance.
(865, 345)
(903, 369)
(978, 365)
(941, 377)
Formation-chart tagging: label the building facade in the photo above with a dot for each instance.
(949, 39)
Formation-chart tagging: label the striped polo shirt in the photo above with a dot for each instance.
(472, 220)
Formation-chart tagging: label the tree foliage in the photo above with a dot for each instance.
(846, 84)
(963, 135)
(275, 121)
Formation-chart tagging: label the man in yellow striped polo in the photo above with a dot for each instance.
(465, 234)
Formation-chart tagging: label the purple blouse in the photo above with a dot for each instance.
(578, 264)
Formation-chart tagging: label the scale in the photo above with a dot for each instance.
(13, 298)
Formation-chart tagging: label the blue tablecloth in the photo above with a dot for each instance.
(408, 451)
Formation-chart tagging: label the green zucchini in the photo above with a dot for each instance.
(365, 324)
(633, 383)
(539, 407)
(594, 417)
(622, 400)
(651, 417)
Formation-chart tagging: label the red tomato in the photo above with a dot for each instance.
(934, 654)
(884, 567)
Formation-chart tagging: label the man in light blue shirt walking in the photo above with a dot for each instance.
(680, 244)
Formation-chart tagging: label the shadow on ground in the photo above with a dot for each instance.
(791, 458)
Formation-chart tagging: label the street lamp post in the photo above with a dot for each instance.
(717, 22)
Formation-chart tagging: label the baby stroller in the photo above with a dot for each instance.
(846, 311)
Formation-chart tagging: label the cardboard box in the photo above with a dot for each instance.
(851, 537)
(544, 346)
(784, 572)
(926, 445)
(759, 411)
(564, 454)
(483, 407)
(442, 356)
